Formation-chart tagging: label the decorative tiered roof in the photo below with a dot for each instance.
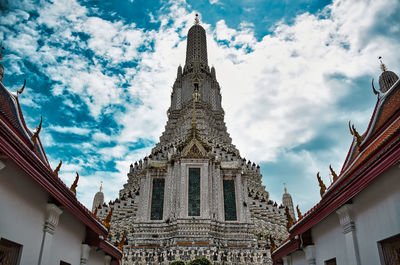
(378, 150)
(24, 148)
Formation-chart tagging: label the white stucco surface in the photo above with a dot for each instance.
(22, 204)
(22, 217)
(377, 214)
(298, 258)
(67, 240)
(329, 240)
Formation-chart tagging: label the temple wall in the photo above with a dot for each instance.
(329, 240)
(377, 214)
(22, 217)
(67, 240)
(22, 211)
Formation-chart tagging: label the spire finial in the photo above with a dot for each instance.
(284, 187)
(196, 97)
(383, 66)
(101, 186)
(196, 19)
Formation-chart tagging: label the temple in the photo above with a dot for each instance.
(357, 219)
(194, 195)
(41, 220)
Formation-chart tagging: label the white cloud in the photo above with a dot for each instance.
(72, 130)
(281, 92)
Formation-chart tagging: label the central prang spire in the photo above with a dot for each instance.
(196, 49)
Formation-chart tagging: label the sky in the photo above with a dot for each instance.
(292, 74)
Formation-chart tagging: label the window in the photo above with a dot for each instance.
(9, 252)
(64, 263)
(391, 250)
(331, 262)
(194, 192)
(157, 199)
(230, 200)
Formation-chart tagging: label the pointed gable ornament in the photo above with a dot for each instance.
(37, 131)
(194, 149)
(334, 175)
(298, 212)
(58, 168)
(75, 184)
(321, 185)
(19, 91)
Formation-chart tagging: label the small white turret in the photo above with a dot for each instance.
(98, 198)
(288, 202)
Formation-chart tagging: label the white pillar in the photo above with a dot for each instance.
(310, 254)
(349, 231)
(107, 260)
(238, 198)
(287, 260)
(85, 250)
(2, 165)
(52, 217)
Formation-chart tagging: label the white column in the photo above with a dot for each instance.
(168, 193)
(183, 195)
(310, 254)
(107, 260)
(85, 250)
(287, 260)
(220, 194)
(204, 203)
(246, 209)
(349, 231)
(52, 217)
(239, 198)
(2, 165)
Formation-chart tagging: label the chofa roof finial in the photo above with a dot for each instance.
(58, 168)
(383, 66)
(196, 19)
(19, 91)
(75, 184)
(37, 131)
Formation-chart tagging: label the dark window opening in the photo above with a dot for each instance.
(157, 199)
(10, 252)
(331, 262)
(194, 192)
(230, 200)
(391, 250)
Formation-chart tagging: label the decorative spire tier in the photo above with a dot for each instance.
(387, 78)
(196, 78)
(196, 49)
(194, 191)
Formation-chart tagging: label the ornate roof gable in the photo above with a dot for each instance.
(387, 106)
(194, 149)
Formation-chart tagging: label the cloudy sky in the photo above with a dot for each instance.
(292, 74)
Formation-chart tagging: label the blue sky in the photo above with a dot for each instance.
(293, 73)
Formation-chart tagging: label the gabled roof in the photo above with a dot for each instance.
(16, 144)
(386, 108)
(11, 113)
(378, 150)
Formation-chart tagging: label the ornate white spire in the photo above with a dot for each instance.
(288, 202)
